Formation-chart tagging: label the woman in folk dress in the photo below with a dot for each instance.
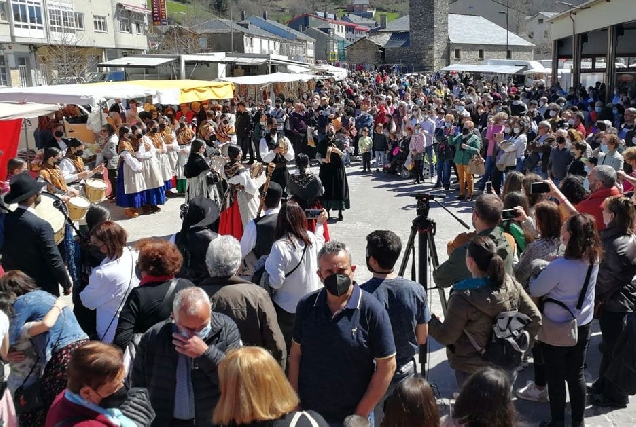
(155, 193)
(161, 151)
(185, 135)
(131, 185)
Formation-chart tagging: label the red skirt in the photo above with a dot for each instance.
(311, 223)
(230, 222)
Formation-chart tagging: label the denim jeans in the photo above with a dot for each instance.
(490, 163)
(443, 172)
(520, 161)
(565, 365)
(380, 159)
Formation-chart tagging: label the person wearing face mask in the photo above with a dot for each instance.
(630, 124)
(177, 361)
(467, 144)
(58, 141)
(406, 304)
(158, 263)
(161, 152)
(332, 344)
(151, 169)
(51, 173)
(185, 136)
(607, 153)
(202, 181)
(474, 303)
(131, 185)
(495, 126)
(615, 293)
(72, 164)
(110, 283)
(560, 158)
(95, 394)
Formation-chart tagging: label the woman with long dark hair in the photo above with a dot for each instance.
(292, 263)
(333, 174)
(412, 404)
(305, 188)
(202, 181)
(564, 280)
(473, 305)
(485, 400)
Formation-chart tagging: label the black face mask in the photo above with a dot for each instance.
(58, 161)
(115, 400)
(627, 168)
(465, 131)
(138, 271)
(162, 126)
(79, 153)
(337, 284)
(96, 253)
(58, 134)
(154, 130)
(330, 134)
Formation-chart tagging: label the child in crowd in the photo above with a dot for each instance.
(364, 147)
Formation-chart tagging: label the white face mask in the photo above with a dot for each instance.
(517, 130)
(507, 129)
(553, 113)
(571, 122)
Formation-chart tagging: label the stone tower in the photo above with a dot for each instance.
(429, 34)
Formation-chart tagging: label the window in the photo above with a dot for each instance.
(140, 27)
(79, 20)
(546, 34)
(124, 25)
(3, 11)
(458, 54)
(481, 54)
(27, 14)
(99, 23)
(62, 19)
(4, 72)
(531, 34)
(540, 21)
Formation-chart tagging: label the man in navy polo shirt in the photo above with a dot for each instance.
(343, 354)
(404, 300)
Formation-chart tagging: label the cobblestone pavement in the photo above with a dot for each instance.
(381, 201)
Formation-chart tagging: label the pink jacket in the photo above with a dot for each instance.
(490, 135)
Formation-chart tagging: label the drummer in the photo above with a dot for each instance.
(51, 173)
(72, 164)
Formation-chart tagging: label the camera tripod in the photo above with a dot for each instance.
(425, 228)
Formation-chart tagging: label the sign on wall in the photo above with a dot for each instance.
(159, 12)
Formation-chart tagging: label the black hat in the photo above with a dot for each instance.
(274, 194)
(22, 186)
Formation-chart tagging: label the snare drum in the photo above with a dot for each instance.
(95, 190)
(77, 207)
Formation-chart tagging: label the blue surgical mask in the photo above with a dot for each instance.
(587, 169)
(586, 184)
(614, 111)
(598, 109)
(604, 148)
(203, 333)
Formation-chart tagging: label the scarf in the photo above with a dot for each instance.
(156, 140)
(472, 283)
(55, 178)
(114, 415)
(125, 145)
(77, 161)
(232, 168)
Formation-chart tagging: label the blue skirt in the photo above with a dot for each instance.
(133, 200)
(168, 185)
(155, 196)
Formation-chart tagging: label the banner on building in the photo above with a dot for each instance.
(159, 12)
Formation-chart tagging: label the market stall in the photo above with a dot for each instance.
(174, 92)
(273, 85)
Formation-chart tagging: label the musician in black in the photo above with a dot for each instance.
(258, 236)
(279, 151)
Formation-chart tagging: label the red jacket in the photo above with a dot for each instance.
(64, 413)
(593, 204)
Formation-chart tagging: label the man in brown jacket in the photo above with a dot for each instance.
(249, 305)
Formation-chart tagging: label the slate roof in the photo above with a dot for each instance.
(390, 40)
(466, 29)
(355, 19)
(301, 36)
(224, 26)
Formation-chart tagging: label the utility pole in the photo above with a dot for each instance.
(231, 29)
(507, 13)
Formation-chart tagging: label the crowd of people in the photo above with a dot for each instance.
(250, 314)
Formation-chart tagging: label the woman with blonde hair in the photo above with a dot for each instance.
(255, 392)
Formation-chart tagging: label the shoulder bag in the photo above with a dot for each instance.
(123, 300)
(261, 277)
(562, 334)
(477, 165)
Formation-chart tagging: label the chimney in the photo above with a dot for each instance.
(242, 15)
(383, 21)
(265, 15)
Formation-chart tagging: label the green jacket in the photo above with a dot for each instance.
(454, 268)
(462, 157)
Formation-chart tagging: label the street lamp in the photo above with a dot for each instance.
(506, 12)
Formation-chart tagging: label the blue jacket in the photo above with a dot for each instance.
(32, 307)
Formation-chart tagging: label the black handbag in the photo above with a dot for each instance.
(27, 399)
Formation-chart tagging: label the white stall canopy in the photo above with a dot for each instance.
(484, 68)
(16, 110)
(79, 94)
(266, 79)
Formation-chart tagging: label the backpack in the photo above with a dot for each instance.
(508, 342)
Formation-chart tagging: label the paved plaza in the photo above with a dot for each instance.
(381, 201)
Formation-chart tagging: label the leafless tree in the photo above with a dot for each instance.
(65, 60)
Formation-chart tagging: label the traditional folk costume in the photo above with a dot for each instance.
(155, 193)
(170, 139)
(202, 181)
(131, 186)
(305, 188)
(184, 138)
(55, 184)
(333, 177)
(161, 152)
(241, 201)
(71, 166)
(267, 146)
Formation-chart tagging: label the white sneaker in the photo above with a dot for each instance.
(532, 393)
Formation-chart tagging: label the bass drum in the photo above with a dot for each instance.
(49, 213)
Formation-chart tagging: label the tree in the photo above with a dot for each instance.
(65, 60)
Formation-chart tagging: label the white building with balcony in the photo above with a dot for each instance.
(33, 33)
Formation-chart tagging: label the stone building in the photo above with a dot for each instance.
(428, 39)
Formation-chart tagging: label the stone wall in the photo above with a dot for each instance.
(429, 34)
(469, 54)
(364, 52)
